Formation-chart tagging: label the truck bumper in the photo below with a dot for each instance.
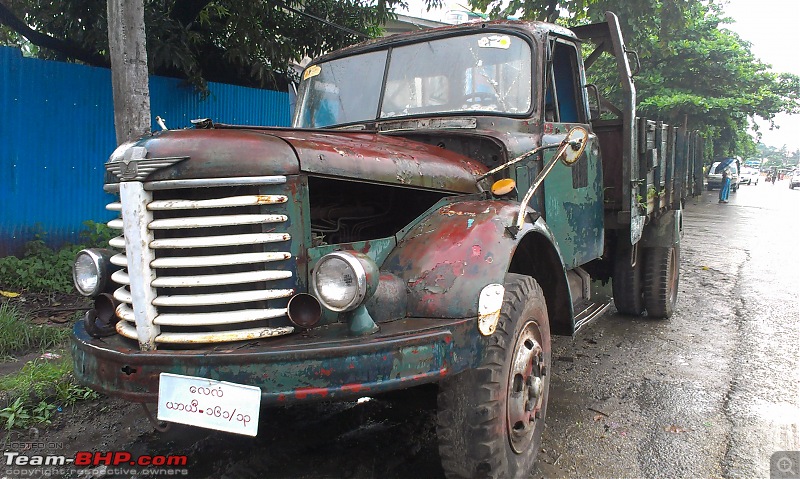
(322, 364)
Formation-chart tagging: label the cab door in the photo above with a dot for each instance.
(573, 195)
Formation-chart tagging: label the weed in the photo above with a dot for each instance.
(33, 392)
(15, 415)
(17, 334)
(38, 389)
(44, 269)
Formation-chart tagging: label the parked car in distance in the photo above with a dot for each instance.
(749, 176)
(794, 180)
(714, 180)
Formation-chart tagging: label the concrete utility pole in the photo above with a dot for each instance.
(129, 75)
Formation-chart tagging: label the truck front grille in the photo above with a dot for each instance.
(204, 261)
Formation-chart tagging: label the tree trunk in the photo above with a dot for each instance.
(129, 75)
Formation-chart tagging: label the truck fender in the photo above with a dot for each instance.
(449, 256)
(665, 231)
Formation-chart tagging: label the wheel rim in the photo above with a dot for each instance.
(526, 388)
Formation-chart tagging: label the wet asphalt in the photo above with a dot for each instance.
(715, 390)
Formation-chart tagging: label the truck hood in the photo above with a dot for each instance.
(372, 157)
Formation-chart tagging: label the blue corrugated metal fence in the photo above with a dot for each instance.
(57, 131)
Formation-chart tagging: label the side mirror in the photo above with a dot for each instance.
(573, 145)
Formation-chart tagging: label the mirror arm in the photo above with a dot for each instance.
(523, 206)
(518, 159)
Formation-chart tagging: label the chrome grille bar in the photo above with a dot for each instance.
(230, 293)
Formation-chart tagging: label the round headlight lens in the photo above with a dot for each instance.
(337, 283)
(86, 273)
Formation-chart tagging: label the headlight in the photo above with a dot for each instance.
(90, 271)
(343, 280)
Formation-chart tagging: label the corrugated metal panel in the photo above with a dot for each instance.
(57, 130)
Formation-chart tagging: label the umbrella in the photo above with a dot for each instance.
(723, 165)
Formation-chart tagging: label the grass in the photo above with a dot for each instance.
(18, 335)
(33, 394)
(42, 268)
(45, 380)
(43, 385)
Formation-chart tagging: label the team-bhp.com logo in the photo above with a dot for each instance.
(21, 464)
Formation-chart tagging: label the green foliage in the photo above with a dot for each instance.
(693, 70)
(44, 269)
(18, 335)
(38, 390)
(776, 157)
(244, 43)
(15, 415)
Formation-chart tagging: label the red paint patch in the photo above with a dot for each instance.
(415, 377)
(353, 388)
(302, 393)
(325, 372)
(476, 251)
(448, 340)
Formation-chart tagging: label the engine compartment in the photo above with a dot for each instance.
(345, 211)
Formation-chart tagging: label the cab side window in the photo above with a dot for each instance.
(564, 98)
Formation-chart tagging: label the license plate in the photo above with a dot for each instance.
(207, 403)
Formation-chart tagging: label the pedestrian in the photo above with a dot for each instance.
(725, 187)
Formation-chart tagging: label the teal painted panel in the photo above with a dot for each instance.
(573, 210)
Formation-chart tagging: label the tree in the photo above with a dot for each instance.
(249, 43)
(126, 36)
(692, 68)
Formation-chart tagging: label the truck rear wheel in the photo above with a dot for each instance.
(626, 284)
(490, 418)
(661, 280)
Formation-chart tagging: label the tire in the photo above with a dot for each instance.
(661, 275)
(490, 419)
(626, 284)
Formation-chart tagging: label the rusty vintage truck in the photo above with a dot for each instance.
(444, 202)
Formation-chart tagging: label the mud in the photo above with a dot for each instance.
(712, 392)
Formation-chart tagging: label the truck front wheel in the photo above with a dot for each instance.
(490, 418)
(661, 280)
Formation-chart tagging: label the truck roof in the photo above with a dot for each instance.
(528, 28)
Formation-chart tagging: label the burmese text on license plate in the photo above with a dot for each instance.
(208, 403)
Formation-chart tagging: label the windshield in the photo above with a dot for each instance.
(487, 73)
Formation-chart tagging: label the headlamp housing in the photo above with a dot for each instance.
(92, 270)
(343, 280)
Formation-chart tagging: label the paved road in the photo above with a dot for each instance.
(715, 390)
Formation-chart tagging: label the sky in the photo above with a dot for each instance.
(769, 25)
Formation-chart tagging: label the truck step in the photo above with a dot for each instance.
(587, 311)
